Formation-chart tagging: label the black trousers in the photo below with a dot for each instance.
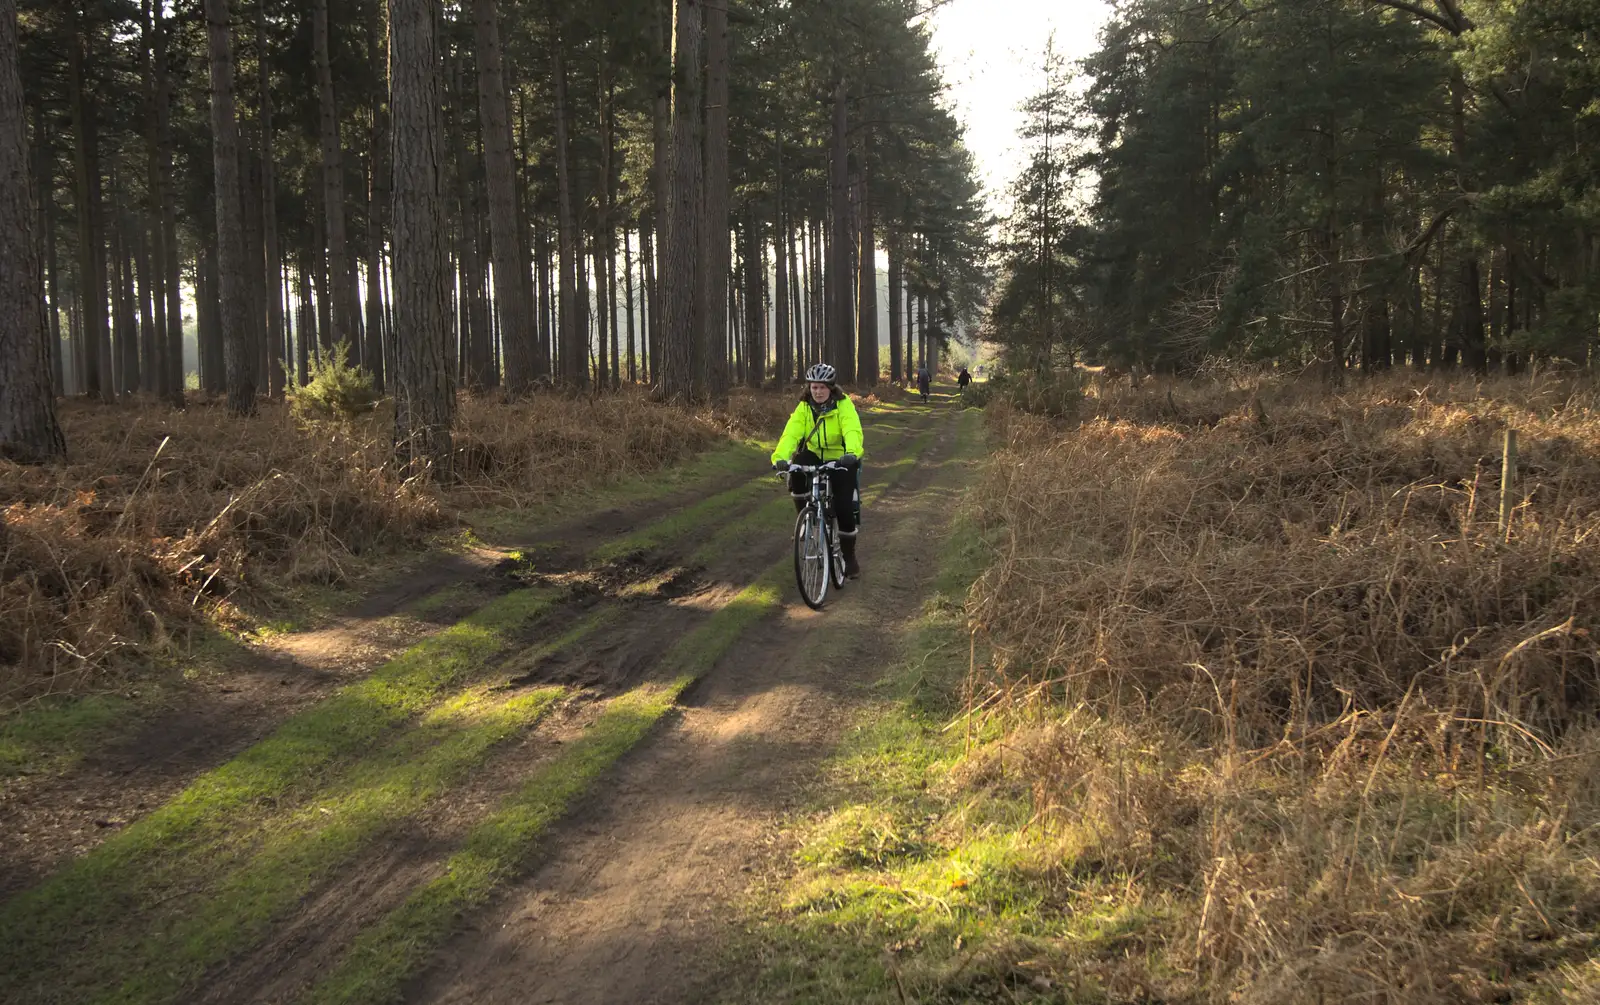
(845, 503)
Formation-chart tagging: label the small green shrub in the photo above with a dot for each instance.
(1056, 394)
(335, 390)
(976, 395)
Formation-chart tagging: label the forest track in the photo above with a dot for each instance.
(634, 606)
(634, 898)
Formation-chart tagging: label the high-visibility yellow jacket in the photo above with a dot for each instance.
(829, 430)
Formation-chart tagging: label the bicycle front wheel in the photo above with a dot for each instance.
(811, 558)
(835, 556)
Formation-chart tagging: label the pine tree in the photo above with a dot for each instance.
(424, 388)
(29, 431)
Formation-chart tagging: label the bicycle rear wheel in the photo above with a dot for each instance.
(812, 560)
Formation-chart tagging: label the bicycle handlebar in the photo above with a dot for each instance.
(811, 469)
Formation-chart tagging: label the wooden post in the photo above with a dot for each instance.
(1508, 478)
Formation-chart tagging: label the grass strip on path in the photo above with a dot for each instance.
(506, 526)
(384, 957)
(305, 850)
(296, 852)
(678, 524)
(115, 879)
(499, 848)
(880, 864)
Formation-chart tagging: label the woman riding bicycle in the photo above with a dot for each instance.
(825, 427)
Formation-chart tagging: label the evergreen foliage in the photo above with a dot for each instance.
(556, 121)
(1335, 182)
(336, 390)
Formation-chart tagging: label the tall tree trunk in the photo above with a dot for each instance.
(424, 394)
(94, 322)
(238, 358)
(611, 306)
(511, 293)
(755, 314)
(841, 322)
(47, 223)
(255, 256)
(29, 431)
(583, 349)
(272, 255)
(867, 291)
(306, 329)
(920, 308)
(319, 264)
(714, 229)
(664, 12)
(574, 329)
(208, 318)
(341, 280)
(797, 299)
(602, 232)
(149, 294)
(377, 206)
(682, 253)
(652, 353)
(627, 282)
(544, 366)
(780, 281)
(818, 320)
(1474, 345)
(167, 245)
(475, 333)
(125, 320)
(609, 230)
(152, 293)
(896, 369)
(602, 369)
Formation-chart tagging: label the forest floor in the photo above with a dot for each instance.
(547, 767)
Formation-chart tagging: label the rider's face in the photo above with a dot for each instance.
(820, 392)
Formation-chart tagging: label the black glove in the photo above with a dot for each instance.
(782, 467)
(849, 461)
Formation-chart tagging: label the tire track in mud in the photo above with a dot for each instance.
(635, 888)
(642, 624)
(641, 628)
(247, 692)
(622, 657)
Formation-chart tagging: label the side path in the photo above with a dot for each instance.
(631, 906)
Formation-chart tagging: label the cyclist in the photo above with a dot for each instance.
(924, 378)
(826, 427)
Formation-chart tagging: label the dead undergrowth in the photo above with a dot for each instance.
(163, 520)
(1279, 685)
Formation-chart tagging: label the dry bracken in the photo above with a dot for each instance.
(161, 519)
(1269, 658)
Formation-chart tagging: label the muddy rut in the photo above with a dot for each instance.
(631, 904)
(627, 896)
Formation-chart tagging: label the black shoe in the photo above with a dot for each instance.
(852, 568)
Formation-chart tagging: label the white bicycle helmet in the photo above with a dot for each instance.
(821, 373)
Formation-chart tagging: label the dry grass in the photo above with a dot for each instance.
(162, 519)
(1272, 672)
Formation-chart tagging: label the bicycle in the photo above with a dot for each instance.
(818, 556)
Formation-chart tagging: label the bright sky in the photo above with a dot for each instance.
(992, 52)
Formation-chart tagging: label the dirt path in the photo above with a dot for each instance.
(240, 694)
(629, 883)
(630, 905)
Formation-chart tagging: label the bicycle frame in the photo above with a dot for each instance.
(818, 509)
